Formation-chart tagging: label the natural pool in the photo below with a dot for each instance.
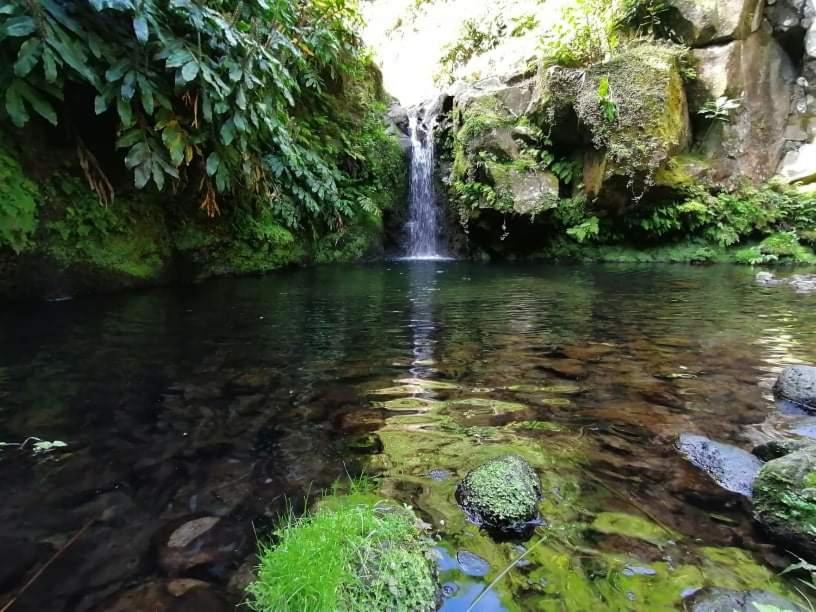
(233, 398)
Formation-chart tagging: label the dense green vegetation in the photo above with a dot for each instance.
(355, 552)
(267, 113)
(632, 184)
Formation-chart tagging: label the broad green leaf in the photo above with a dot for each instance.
(100, 105)
(125, 111)
(15, 107)
(213, 162)
(227, 132)
(19, 26)
(158, 175)
(138, 155)
(42, 106)
(49, 65)
(173, 139)
(140, 28)
(130, 138)
(28, 56)
(128, 88)
(190, 71)
(141, 175)
(178, 58)
(146, 93)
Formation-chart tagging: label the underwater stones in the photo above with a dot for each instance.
(209, 542)
(797, 384)
(485, 405)
(172, 596)
(702, 22)
(785, 500)
(501, 495)
(730, 467)
(471, 564)
(631, 526)
(571, 369)
(724, 600)
(439, 474)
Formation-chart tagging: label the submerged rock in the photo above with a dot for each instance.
(472, 564)
(501, 495)
(797, 384)
(209, 542)
(724, 600)
(730, 467)
(779, 448)
(785, 500)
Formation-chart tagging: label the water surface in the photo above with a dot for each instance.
(230, 398)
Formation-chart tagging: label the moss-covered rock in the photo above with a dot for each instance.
(785, 500)
(726, 600)
(531, 190)
(501, 495)
(651, 121)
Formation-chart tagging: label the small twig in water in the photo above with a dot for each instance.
(503, 573)
(47, 564)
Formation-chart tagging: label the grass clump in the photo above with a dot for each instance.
(353, 553)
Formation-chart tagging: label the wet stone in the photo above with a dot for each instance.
(723, 600)
(471, 564)
(634, 570)
(797, 383)
(209, 542)
(440, 474)
(730, 467)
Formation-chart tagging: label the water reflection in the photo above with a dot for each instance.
(227, 399)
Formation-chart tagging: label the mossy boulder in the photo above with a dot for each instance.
(725, 600)
(797, 384)
(501, 495)
(785, 500)
(531, 190)
(641, 120)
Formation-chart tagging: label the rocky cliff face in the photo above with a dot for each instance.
(637, 128)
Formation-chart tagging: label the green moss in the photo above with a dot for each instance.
(631, 526)
(783, 497)
(502, 492)
(681, 171)
(128, 237)
(352, 553)
(19, 198)
(652, 115)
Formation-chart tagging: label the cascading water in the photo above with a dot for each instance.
(423, 224)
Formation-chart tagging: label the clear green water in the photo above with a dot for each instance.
(233, 397)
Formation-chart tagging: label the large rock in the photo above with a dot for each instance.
(799, 165)
(760, 76)
(785, 500)
(724, 600)
(501, 495)
(652, 118)
(730, 467)
(206, 544)
(531, 191)
(702, 22)
(797, 384)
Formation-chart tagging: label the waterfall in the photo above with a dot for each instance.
(423, 224)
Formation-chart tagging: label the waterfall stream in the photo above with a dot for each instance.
(423, 224)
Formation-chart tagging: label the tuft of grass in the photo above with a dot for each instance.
(354, 553)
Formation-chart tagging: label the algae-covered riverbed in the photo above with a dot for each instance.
(193, 418)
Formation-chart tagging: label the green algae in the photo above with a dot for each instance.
(631, 526)
(410, 404)
(483, 405)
